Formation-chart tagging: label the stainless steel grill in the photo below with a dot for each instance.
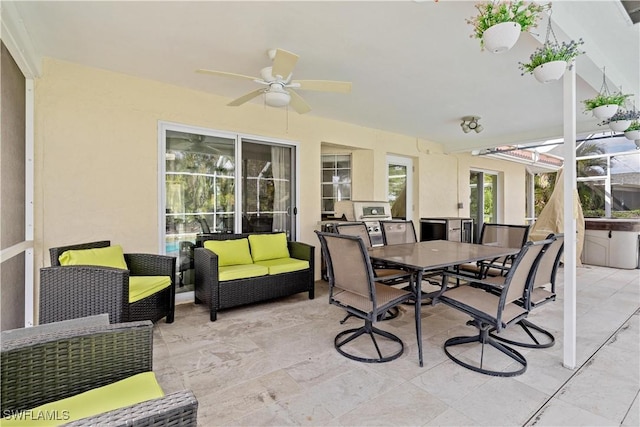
(372, 213)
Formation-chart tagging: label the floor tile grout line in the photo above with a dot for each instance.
(629, 410)
(581, 367)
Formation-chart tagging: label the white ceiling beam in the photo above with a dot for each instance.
(16, 38)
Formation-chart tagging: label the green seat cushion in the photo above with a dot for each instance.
(268, 246)
(230, 252)
(233, 272)
(284, 265)
(111, 256)
(141, 287)
(127, 392)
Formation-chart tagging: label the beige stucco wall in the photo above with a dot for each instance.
(96, 137)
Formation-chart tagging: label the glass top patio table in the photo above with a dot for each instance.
(430, 255)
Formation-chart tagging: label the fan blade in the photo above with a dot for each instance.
(324, 85)
(225, 74)
(298, 104)
(245, 98)
(283, 63)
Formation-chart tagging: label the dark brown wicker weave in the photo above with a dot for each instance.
(68, 292)
(220, 295)
(39, 369)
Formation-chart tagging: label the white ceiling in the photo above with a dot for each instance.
(415, 70)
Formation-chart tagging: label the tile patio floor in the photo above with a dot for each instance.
(274, 364)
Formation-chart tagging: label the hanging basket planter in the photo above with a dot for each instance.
(549, 62)
(498, 23)
(501, 37)
(633, 135)
(605, 111)
(550, 71)
(619, 125)
(605, 104)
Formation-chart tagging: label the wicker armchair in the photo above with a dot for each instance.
(56, 363)
(68, 292)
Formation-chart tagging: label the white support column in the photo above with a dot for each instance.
(570, 235)
(29, 182)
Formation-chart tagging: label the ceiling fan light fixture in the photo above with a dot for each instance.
(276, 98)
(470, 123)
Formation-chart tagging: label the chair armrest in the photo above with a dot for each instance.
(205, 265)
(78, 291)
(301, 250)
(151, 265)
(45, 368)
(175, 409)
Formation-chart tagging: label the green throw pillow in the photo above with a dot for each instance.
(111, 256)
(268, 246)
(230, 252)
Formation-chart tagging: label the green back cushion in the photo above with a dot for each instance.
(111, 256)
(268, 246)
(141, 287)
(127, 392)
(230, 252)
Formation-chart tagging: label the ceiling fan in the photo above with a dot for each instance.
(279, 86)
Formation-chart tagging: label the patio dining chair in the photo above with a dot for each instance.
(493, 311)
(541, 290)
(353, 287)
(397, 232)
(383, 273)
(502, 235)
(99, 278)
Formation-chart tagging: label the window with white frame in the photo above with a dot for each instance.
(336, 180)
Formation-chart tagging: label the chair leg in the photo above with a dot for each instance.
(536, 342)
(369, 329)
(483, 338)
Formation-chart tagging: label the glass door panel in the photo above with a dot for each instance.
(482, 203)
(268, 189)
(199, 194)
(399, 186)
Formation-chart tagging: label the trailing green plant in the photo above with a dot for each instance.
(552, 51)
(635, 125)
(492, 13)
(616, 98)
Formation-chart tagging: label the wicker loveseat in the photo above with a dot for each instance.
(220, 294)
(81, 361)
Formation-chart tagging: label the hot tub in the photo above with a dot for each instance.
(612, 242)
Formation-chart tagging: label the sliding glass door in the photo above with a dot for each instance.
(204, 173)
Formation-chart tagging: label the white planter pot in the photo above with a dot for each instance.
(633, 135)
(605, 111)
(619, 125)
(550, 71)
(501, 37)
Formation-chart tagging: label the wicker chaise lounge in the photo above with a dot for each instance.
(42, 367)
(220, 295)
